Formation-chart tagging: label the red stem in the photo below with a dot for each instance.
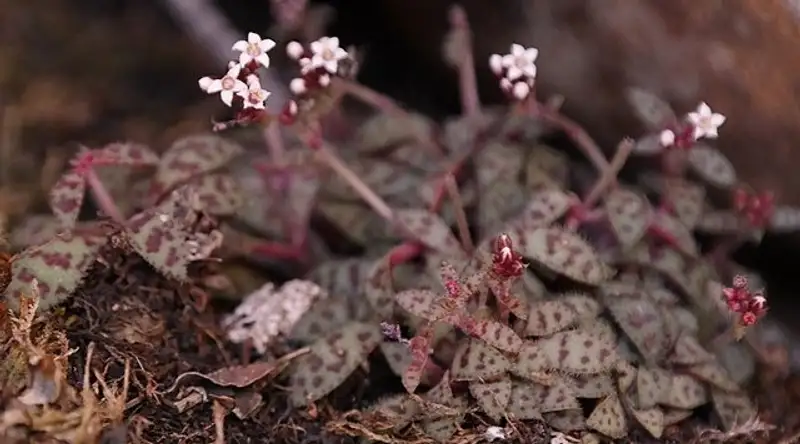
(102, 197)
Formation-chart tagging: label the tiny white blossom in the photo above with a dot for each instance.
(254, 48)
(226, 86)
(327, 54)
(759, 301)
(254, 96)
(520, 62)
(324, 80)
(496, 64)
(494, 433)
(505, 84)
(294, 50)
(521, 90)
(297, 86)
(667, 138)
(705, 122)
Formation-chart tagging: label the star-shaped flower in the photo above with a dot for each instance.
(254, 48)
(254, 96)
(326, 54)
(705, 122)
(520, 62)
(226, 86)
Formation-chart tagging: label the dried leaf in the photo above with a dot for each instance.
(608, 418)
(564, 253)
(712, 166)
(492, 397)
(431, 230)
(331, 361)
(66, 198)
(548, 317)
(629, 215)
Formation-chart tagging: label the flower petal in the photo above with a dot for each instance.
(331, 66)
(711, 133)
(531, 54)
(234, 71)
(205, 82)
(513, 73)
(215, 86)
(717, 119)
(694, 118)
(698, 132)
(517, 50)
(530, 70)
(263, 59)
(245, 58)
(509, 60)
(496, 63)
(703, 109)
(239, 86)
(317, 46)
(266, 44)
(340, 54)
(253, 38)
(241, 45)
(333, 42)
(227, 97)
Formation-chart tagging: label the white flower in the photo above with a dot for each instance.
(255, 48)
(226, 86)
(759, 301)
(496, 64)
(327, 54)
(254, 96)
(705, 122)
(667, 138)
(494, 433)
(294, 50)
(520, 62)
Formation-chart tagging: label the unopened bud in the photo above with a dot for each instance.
(496, 64)
(294, 50)
(298, 86)
(521, 90)
(324, 80)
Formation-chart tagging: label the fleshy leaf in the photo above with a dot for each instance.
(652, 110)
(399, 409)
(642, 322)
(578, 352)
(385, 129)
(548, 317)
(733, 408)
(218, 194)
(785, 219)
(591, 386)
(565, 253)
(685, 392)
(422, 303)
(397, 355)
(674, 416)
(677, 231)
(492, 397)
(648, 145)
(651, 419)
(191, 156)
(712, 166)
(58, 266)
(545, 207)
(331, 361)
(687, 199)
(419, 347)
(629, 215)
(492, 332)
(324, 316)
(129, 154)
(431, 230)
(719, 222)
(566, 420)
(652, 385)
(33, 230)
(608, 418)
(689, 351)
(554, 398)
(523, 403)
(66, 198)
(713, 373)
(378, 287)
(476, 360)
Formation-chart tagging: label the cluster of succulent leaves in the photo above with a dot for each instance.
(170, 204)
(608, 324)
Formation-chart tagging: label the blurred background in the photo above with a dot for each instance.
(96, 71)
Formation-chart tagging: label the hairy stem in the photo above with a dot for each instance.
(461, 215)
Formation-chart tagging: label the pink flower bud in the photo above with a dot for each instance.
(294, 50)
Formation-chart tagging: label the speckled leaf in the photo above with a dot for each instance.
(325, 316)
(397, 355)
(341, 276)
(531, 361)
(492, 332)
(476, 360)
(642, 322)
(629, 215)
(553, 162)
(785, 219)
(565, 253)
(378, 287)
(548, 317)
(419, 346)
(608, 418)
(712, 166)
(545, 207)
(399, 409)
(129, 154)
(648, 145)
(553, 398)
(385, 129)
(219, 194)
(651, 419)
(578, 352)
(719, 222)
(674, 416)
(733, 408)
(652, 110)
(566, 420)
(441, 429)
(422, 303)
(33, 230)
(591, 386)
(58, 265)
(685, 392)
(626, 374)
(523, 403)
(431, 230)
(687, 199)
(192, 156)
(331, 361)
(688, 351)
(714, 374)
(678, 231)
(66, 198)
(492, 397)
(652, 385)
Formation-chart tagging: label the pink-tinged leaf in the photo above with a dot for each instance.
(712, 166)
(687, 199)
(629, 215)
(565, 253)
(785, 219)
(677, 231)
(218, 194)
(128, 153)
(419, 346)
(431, 230)
(58, 265)
(493, 333)
(502, 291)
(192, 156)
(66, 198)
(546, 207)
(652, 110)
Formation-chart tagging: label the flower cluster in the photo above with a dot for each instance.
(506, 263)
(702, 122)
(242, 84)
(756, 208)
(516, 70)
(749, 305)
